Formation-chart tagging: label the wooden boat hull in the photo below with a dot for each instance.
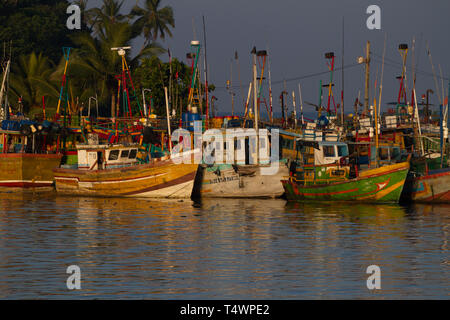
(27, 171)
(160, 179)
(382, 184)
(433, 187)
(226, 181)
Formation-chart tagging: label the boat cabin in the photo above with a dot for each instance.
(99, 157)
(236, 146)
(320, 162)
(330, 152)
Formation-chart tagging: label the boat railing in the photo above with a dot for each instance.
(316, 181)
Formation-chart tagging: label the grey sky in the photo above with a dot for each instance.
(299, 33)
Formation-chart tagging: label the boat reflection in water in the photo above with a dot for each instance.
(230, 249)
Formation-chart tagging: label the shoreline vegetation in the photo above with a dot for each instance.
(32, 36)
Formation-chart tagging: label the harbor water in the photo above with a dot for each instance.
(220, 249)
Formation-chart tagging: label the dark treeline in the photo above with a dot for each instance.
(36, 31)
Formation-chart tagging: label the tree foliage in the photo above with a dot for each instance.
(38, 30)
(153, 21)
(29, 80)
(35, 26)
(154, 74)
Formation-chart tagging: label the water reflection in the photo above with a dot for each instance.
(227, 248)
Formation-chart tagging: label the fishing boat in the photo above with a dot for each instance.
(429, 178)
(238, 181)
(432, 187)
(239, 169)
(28, 154)
(29, 150)
(106, 170)
(323, 172)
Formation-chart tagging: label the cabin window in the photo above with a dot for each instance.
(328, 151)
(124, 153)
(342, 151)
(133, 153)
(384, 153)
(396, 153)
(113, 155)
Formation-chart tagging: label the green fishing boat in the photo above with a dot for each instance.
(323, 172)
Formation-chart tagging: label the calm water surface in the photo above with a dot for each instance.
(220, 249)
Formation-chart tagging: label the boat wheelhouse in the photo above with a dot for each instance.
(98, 157)
(238, 165)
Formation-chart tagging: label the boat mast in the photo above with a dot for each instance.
(270, 89)
(330, 56)
(441, 133)
(66, 51)
(382, 73)
(206, 75)
(3, 89)
(366, 93)
(236, 57)
(168, 119)
(295, 109)
(301, 103)
(434, 74)
(416, 108)
(342, 90)
(255, 103)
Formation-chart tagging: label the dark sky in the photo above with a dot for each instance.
(298, 33)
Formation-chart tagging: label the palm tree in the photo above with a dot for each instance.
(30, 80)
(153, 21)
(98, 65)
(108, 12)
